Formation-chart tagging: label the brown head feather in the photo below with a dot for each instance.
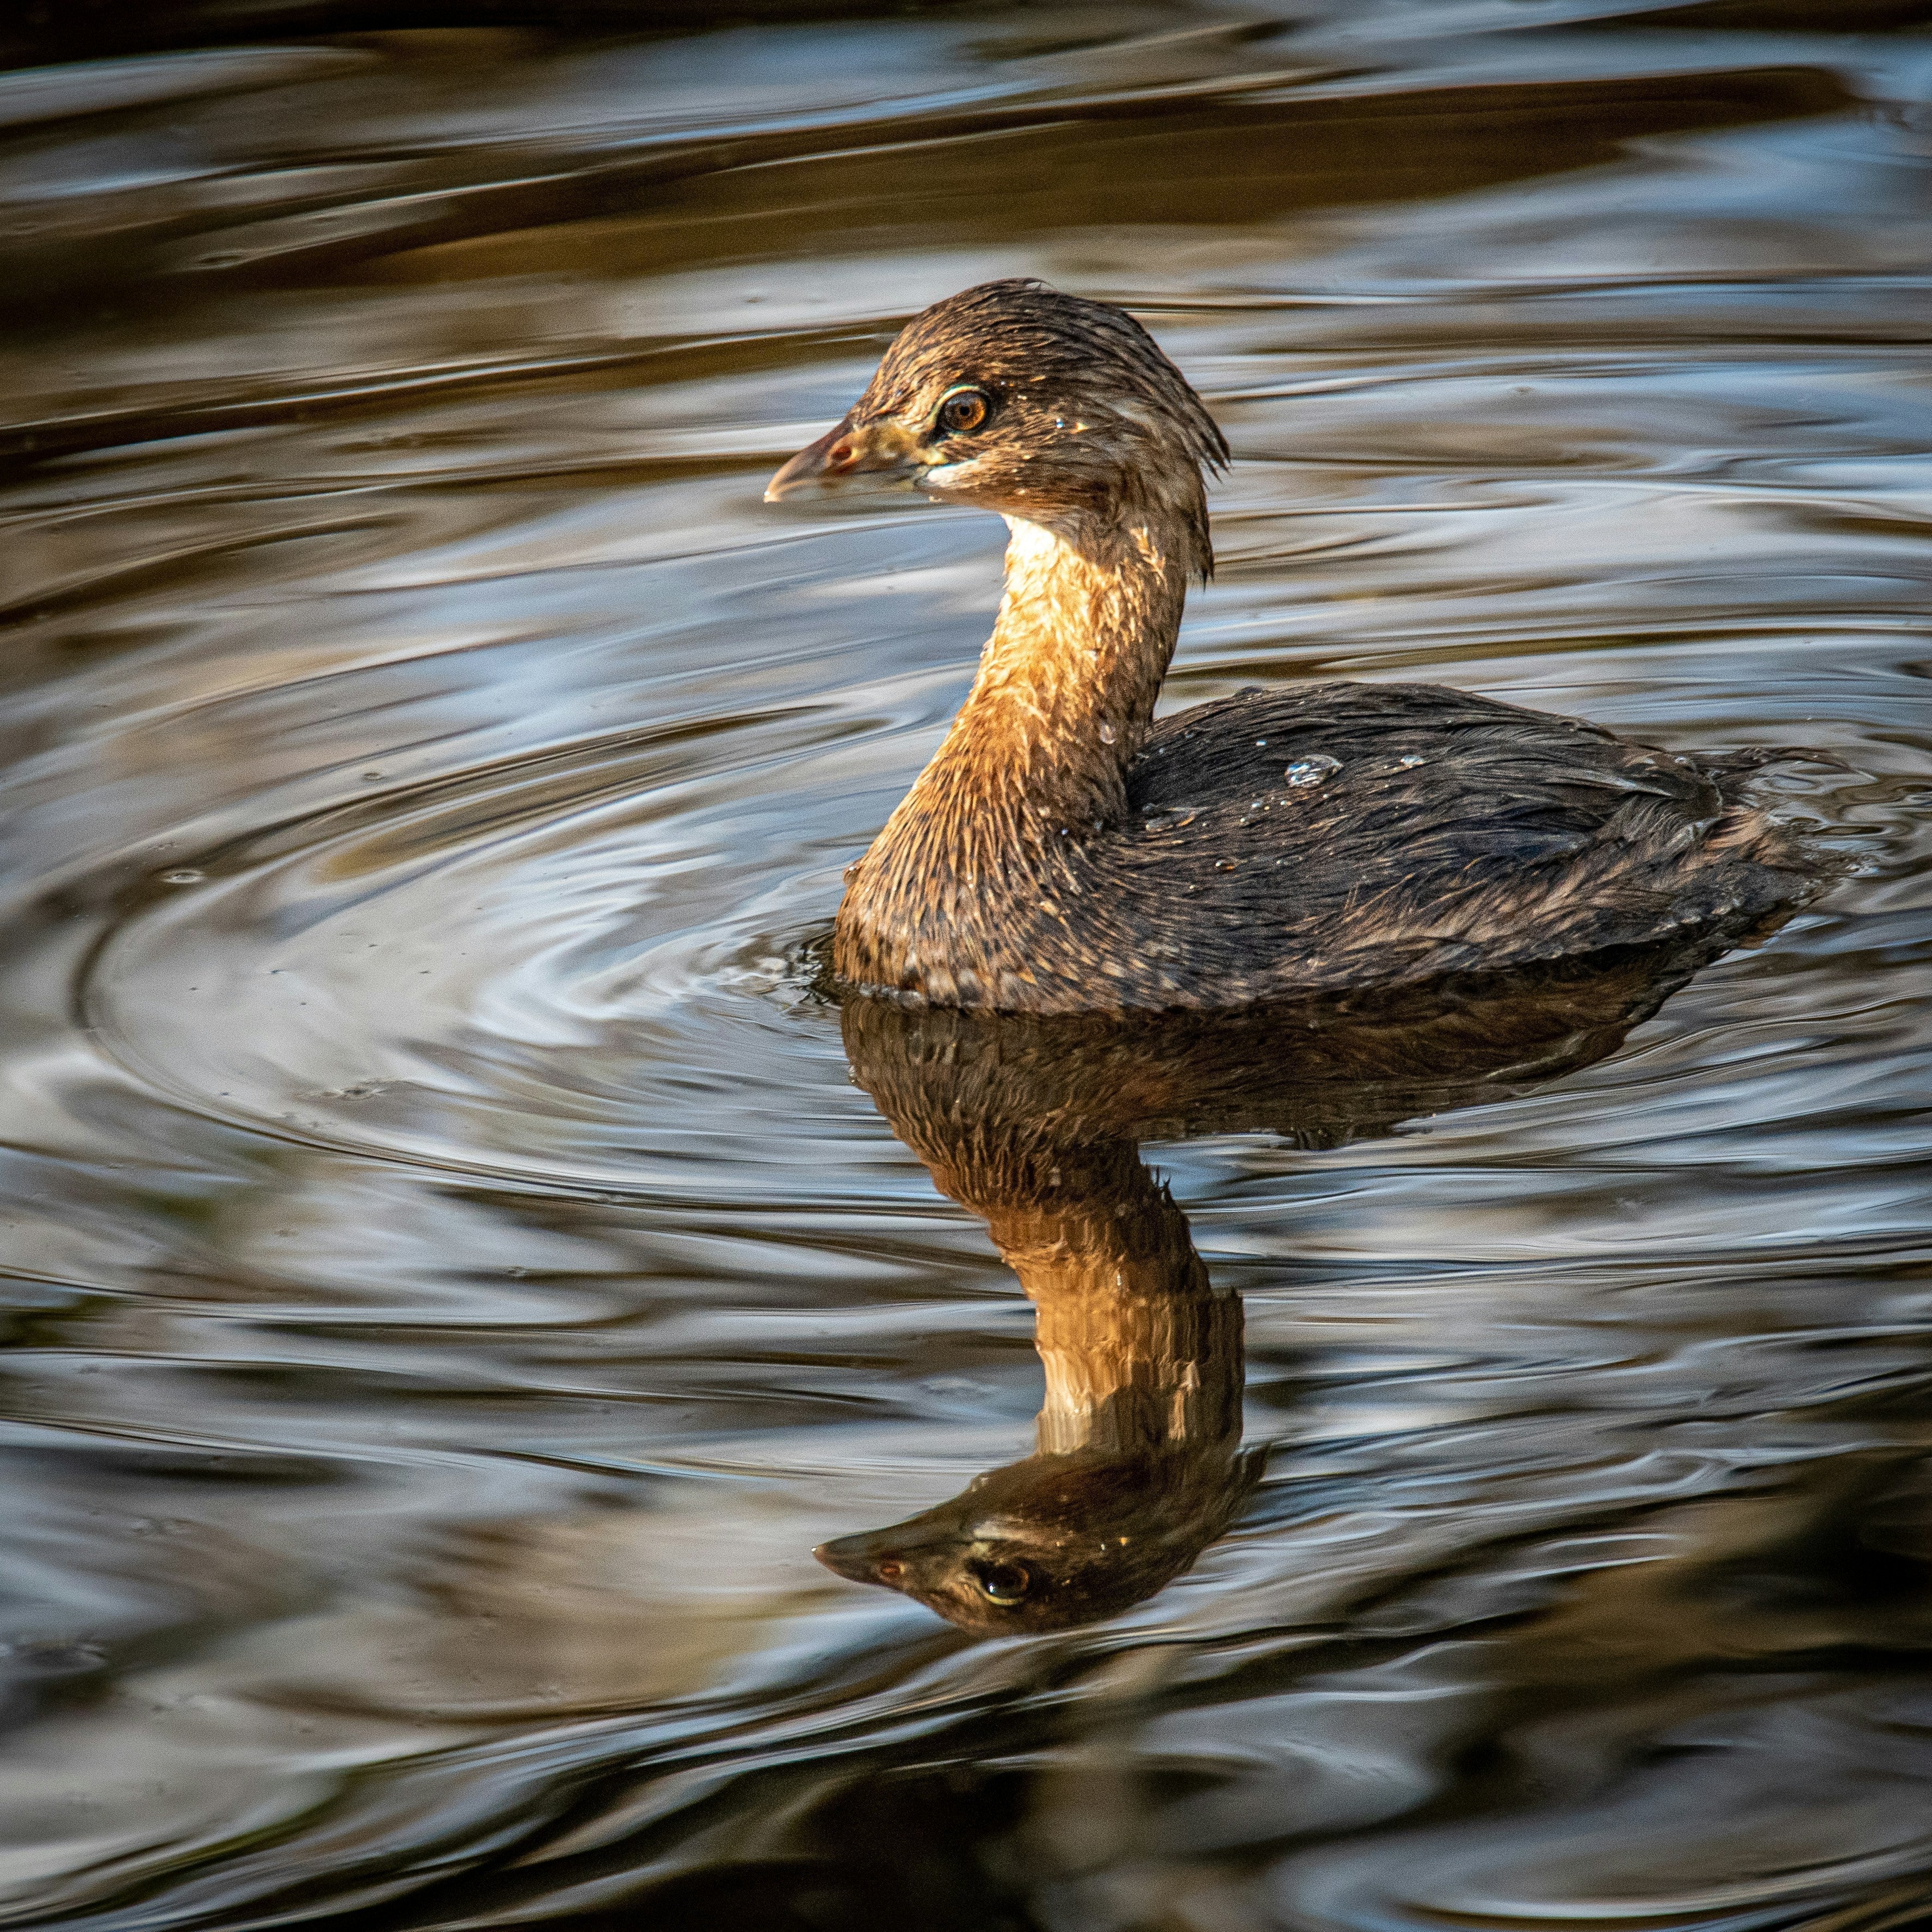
(1089, 426)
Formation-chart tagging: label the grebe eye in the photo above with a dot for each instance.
(1004, 1582)
(965, 410)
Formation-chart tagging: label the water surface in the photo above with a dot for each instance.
(452, 1276)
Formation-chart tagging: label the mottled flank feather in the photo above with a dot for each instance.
(1062, 853)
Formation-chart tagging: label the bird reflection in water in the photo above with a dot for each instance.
(1035, 1124)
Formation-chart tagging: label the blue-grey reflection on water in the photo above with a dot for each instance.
(451, 1279)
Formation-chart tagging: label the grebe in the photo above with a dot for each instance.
(1063, 853)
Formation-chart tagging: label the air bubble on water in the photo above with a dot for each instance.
(1316, 769)
(186, 876)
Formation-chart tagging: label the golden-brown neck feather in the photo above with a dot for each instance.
(1036, 760)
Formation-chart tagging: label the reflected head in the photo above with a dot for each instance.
(1054, 1541)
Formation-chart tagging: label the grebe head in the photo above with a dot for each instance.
(1048, 408)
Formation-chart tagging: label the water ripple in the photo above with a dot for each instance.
(449, 1276)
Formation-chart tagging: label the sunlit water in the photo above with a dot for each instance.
(453, 1281)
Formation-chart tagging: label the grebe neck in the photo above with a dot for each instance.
(1066, 689)
(1067, 681)
(1035, 763)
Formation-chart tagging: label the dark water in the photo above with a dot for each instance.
(454, 1277)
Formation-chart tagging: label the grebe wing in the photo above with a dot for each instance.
(1452, 747)
(1348, 833)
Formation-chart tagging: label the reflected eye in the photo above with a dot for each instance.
(1004, 1582)
(964, 410)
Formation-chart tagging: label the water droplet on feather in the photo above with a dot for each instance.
(1316, 769)
(1168, 818)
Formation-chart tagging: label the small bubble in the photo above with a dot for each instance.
(1316, 769)
(372, 775)
(1226, 865)
(186, 876)
(1260, 744)
(1106, 734)
(1410, 760)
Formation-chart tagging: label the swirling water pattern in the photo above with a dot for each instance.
(451, 1282)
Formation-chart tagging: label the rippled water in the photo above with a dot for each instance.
(454, 1277)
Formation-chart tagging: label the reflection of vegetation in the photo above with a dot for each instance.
(1034, 1124)
(1011, 148)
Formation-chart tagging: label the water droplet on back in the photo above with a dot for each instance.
(1106, 734)
(1410, 760)
(1167, 817)
(1316, 769)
